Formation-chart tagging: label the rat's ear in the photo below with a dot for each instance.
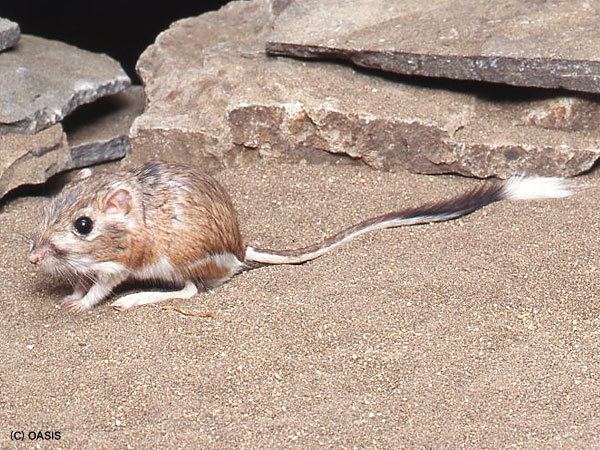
(83, 174)
(119, 202)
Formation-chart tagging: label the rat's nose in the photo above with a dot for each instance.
(37, 255)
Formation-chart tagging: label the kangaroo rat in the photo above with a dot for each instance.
(169, 222)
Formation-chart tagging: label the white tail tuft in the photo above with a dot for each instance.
(530, 188)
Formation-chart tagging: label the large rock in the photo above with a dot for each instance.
(546, 44)
(31, 159)
(95, 134)
(43, 81)
(215, 97)
(99, 132)
(9, 33)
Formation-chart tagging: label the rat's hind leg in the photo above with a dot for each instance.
(214, 270)
(146, 298)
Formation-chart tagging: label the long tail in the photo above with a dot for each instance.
(515, 188)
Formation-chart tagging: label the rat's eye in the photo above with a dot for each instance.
(83, 225)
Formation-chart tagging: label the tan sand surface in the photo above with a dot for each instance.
(480, 333)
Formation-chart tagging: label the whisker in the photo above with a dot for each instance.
(24, 237)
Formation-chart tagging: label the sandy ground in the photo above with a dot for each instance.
(479, 333)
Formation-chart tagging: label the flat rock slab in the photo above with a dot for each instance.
(545, 44)
(43, 81)
(9, 33)
(214, 96)
(99, 132)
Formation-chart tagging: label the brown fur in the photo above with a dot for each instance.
(210, 274)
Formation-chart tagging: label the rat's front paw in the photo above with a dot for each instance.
(74, 304)
(74, 297)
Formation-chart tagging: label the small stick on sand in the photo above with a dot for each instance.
(187, 312)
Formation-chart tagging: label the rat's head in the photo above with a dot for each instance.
(87, 224)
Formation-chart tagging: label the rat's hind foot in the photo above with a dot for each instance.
(146, 298)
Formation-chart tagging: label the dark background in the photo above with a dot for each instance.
(120, 28)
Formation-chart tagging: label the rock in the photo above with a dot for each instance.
(545, 44)
(9, 33)
(215, 98)
(31, 159)
(96, 133)
(45, 80)
(99, 132)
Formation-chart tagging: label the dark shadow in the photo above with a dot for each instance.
(89, 113)
(594, 168)
(122, 29)
(496, 92)
(47, 189)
